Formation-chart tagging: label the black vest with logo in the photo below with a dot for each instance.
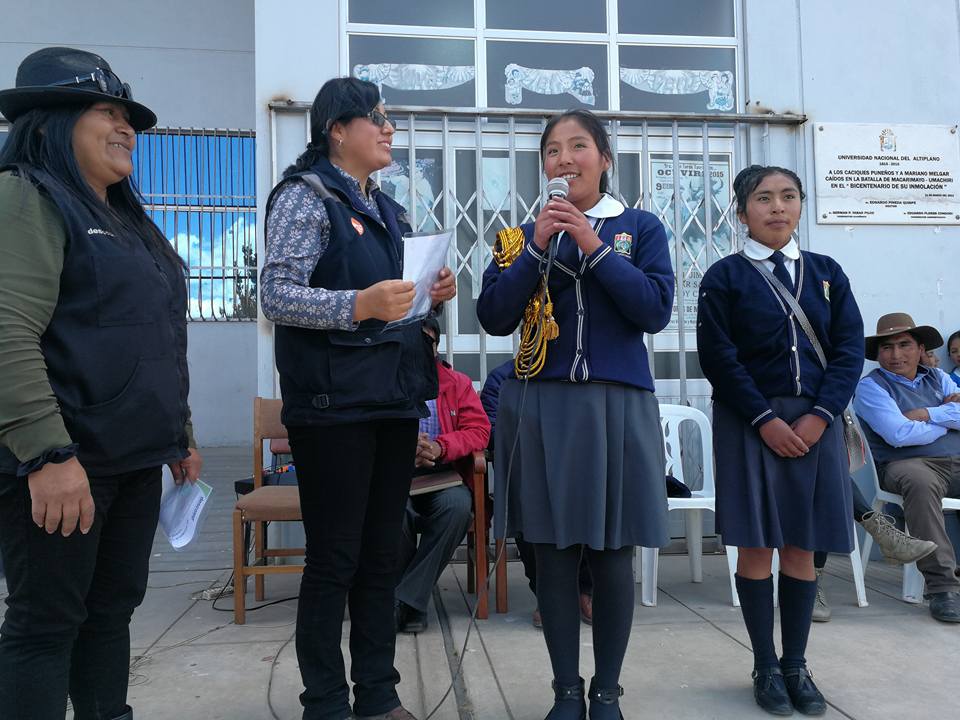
(115, 347)
(337, 376)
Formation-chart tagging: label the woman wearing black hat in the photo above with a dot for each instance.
(94, 397)
(353, 391)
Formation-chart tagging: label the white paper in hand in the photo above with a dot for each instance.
(182, 509)
(424, 256)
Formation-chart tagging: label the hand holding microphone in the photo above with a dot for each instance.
(559, 215)
(545, 229)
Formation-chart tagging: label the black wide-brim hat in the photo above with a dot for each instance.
(58, 76)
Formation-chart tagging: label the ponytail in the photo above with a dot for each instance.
(339, 100)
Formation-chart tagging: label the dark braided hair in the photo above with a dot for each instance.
(339, 100)
(749, 178)
(591, 123)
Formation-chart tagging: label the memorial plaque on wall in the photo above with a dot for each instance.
(872, 174)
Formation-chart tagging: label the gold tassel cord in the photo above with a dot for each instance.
(538, 326)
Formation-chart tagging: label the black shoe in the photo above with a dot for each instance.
(568, 694)
(410, 620)
(803, 693)
(945, 606)
(601, 696)
(770, 691)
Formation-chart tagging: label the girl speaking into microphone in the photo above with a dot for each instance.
(578, 430)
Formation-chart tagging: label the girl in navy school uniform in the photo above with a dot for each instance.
(782, 468)
(587, 474)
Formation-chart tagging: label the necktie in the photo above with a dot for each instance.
(780, 271)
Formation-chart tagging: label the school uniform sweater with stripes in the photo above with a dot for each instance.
(603, 303)
(752, 349)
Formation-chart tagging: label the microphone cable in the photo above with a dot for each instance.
(506, 494)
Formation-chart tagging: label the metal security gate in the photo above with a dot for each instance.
(477, 171)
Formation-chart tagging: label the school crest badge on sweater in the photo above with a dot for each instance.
(623, 243)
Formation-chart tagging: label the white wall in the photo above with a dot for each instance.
(222, 357)
(872, 61)
(297, 50)
(191, 62)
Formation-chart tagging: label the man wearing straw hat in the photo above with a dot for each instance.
(911, 417)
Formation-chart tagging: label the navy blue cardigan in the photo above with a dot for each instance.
(603, 303)
(750, 350)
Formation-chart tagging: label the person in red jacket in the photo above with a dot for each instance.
(457, 427)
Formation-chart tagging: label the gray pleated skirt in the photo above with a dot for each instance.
(764, 500)
(588, 466)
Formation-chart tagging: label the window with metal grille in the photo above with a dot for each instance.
(199, 187)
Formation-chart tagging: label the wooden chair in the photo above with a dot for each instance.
(282, 503)
(478, 539)
(266, 503)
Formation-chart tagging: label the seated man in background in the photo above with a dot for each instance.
(911, 417)
(457, 427)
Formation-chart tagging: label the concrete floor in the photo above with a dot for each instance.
(688, 657)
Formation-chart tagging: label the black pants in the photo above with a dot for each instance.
(528, 558)
(354, 480)
(442, 519)
(67, 625)
(860, 508)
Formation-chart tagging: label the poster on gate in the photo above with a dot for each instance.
(694, 193)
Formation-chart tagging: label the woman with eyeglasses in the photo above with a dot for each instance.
(353, 391)
(94, 394)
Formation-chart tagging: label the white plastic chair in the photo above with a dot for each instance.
(912, 587)
(856, 567)
(671, 417)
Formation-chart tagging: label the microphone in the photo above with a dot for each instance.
(556, 188)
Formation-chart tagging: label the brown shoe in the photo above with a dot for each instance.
(537, 620)
(586, 608)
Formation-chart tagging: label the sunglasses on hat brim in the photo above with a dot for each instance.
(104, 80)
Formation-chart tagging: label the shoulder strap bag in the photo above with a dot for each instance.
(856, 447)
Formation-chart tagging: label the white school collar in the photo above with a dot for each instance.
(606, 207)
(758, 251)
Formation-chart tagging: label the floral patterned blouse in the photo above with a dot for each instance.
(298, 233)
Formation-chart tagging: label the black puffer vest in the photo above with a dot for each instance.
(115, 347)
(336, 376)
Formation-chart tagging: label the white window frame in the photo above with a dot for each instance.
(612, 38)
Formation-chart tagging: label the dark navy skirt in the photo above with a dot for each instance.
(764, 500)
(588, 466)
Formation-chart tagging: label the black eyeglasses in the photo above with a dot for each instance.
(105, 81)
(379, 119)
